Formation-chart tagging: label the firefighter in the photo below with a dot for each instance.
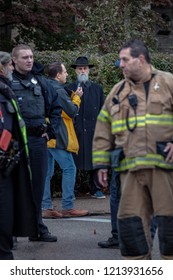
(134, 136)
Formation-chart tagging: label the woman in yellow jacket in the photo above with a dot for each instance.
(62, 148)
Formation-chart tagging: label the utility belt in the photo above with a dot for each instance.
(36, 131)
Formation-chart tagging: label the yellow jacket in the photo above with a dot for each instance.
(66, 138)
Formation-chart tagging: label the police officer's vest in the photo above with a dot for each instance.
(30, 99)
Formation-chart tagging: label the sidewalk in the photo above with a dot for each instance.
(95, 206)
(77, 237)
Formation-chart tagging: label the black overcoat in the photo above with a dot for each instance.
(91, 102)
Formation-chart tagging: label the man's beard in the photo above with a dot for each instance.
(82, 78)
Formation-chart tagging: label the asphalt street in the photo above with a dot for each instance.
(77, 237)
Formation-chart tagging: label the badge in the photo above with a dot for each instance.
(34, 81)
(156, 86)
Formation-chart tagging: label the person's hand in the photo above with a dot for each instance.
(169, 149)
(79, 91)
(45, 135)
(103, 177)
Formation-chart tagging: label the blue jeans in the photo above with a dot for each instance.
(67, 165)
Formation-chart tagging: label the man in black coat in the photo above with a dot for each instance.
(17, 209)
(91, 103)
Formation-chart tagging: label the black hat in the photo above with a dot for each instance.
(82, 61)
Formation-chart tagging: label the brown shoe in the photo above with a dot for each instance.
(51, 214)
(74, 213)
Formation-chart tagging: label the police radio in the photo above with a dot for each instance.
(5, 139)
(133, 101)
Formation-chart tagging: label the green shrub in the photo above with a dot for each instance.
(104, 72)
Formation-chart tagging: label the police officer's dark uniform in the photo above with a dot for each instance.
(17, 209)
(37, 101)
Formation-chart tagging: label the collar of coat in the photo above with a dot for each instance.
(128, 85)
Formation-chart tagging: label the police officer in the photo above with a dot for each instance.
(37, 101)
(17, 209)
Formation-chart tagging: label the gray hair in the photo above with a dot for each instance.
(5, 57)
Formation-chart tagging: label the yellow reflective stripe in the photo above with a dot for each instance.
(24, 134)
(104, 116)
(120, 125)
(101, 157)
(148, 160)
(23, 128)
(159, 119)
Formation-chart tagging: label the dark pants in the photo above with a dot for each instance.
(6, 217)
(114, 201)
(39, 162)
(93, 182)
